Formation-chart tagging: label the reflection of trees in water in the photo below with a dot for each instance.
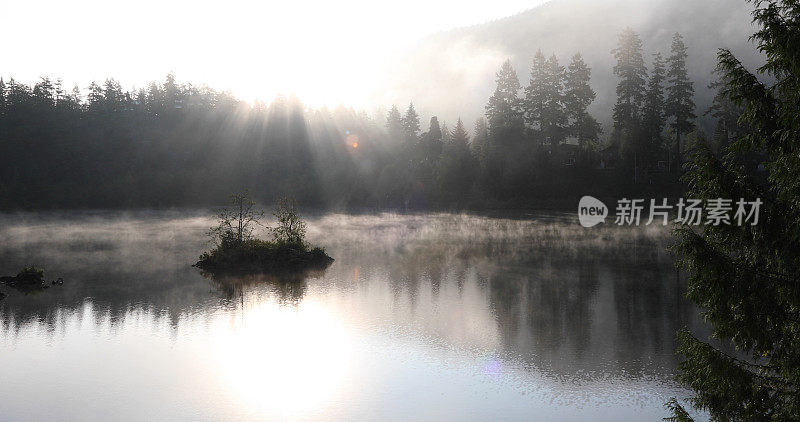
(563, 298)
(600, 303)
(286, 288)
(171, 297)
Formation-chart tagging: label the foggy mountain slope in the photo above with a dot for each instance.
(452, 73)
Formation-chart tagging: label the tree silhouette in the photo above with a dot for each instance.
(745, 277)
(578, 95)
(653, 111)
(680, 93)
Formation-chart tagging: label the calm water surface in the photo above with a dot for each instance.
(421, 317)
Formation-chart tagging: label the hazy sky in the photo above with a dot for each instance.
(324, 52)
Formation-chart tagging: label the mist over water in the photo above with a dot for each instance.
(456, 316)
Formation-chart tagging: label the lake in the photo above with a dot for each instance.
(421, 317)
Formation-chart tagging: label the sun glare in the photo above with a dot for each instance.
(284, 361)
(325, 53)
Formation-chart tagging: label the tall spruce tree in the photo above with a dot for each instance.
(544, 100)
(578, 95)
(75, 98)
(653, 112)
(504, 111)
(505, 163)
(725, 112)
(447, 135)
(43, 93)
(456, 169)
(746, 277)
(410, 123)
(631, 70)
(680, 93)
(554, 115)
(535, 95)
(2, 98)
(459, 136)
(480, 140)
(96, 99)
(394, 124)
(432, 141)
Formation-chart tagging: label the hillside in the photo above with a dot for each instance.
(452, 73)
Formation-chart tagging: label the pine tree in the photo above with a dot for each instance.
(447, 135)
(535, 94)
(141, 100)
(76, 98)
(172, 97)
(746, 277)
(433, 140)
(434, 130)
(578, 95)
(113, 96)
(544, 100)
(653, 111)
(410, 123)
(726, 113)
(480, 139)
(504, 111)
(456, 169)
(43, 93)
(507, 158)
(680, 93)
(96, 99)
(631, 70)
(2, 98)
(554, 116)
(394, 124)
(155, 99)
(459, 136)
(17, 96)
(58, 91)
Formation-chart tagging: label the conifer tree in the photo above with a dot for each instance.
(459, 136)
(680, 93)
(155, 99)
(554, 116)
(653, 111)
(480, 139)
(43, 92)
(535, 95)
(76, 98)
(631, 70)
(746, 277)
(433, 140)
(410, 123)
(726, 112)
(96, 99)
(171, 93)
(578, 95)
(447, 135)
(456, 169)
(504, 111)
(2, 98)
(508, 159)
(394, 124)
(113, 96)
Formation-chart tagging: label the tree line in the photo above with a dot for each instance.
(180, 144)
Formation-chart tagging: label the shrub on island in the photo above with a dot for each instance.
(238, 251)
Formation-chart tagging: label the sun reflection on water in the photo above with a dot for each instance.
(300, 376)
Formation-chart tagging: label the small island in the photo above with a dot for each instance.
(28, 279)
(238, 251)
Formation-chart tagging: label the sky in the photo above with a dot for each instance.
(326, 53)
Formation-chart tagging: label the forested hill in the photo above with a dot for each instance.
(454, 71)
(537, 138)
